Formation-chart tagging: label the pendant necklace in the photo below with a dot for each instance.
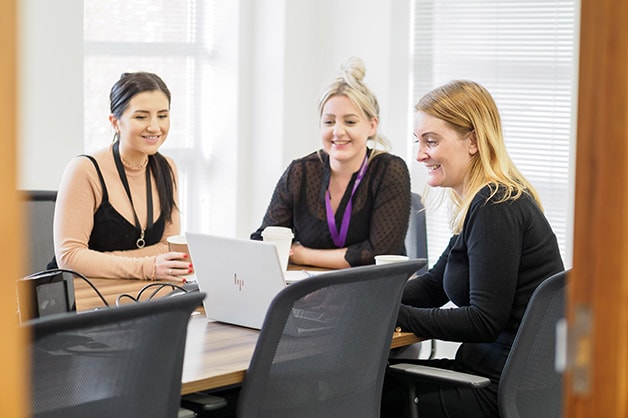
(140, 243)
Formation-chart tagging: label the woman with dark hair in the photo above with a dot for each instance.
(116, 208)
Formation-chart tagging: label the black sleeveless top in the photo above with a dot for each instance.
(112, 231)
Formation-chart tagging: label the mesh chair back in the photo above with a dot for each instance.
(530, 386)
(416, 237)
(323, 346)
(118, 362)
(39, 207)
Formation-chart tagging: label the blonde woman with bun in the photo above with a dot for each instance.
(350, 200)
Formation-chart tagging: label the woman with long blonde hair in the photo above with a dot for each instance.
(503, 247)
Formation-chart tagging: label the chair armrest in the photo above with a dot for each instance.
(434, 374)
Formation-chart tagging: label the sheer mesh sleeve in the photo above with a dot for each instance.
(386, 219)
(280, 209)
(379, 218)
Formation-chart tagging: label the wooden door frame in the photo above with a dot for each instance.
(596, 383)
(14, 399)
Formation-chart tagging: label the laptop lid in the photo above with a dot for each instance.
(239, 276)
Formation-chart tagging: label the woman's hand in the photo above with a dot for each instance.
(297, 254)
(172, 266)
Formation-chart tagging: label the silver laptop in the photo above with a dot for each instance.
(239, 276)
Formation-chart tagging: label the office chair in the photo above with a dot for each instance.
(118, 362)
(529, 386)
(416, 247)
(39, 206)
(416, 237)
(323, 345)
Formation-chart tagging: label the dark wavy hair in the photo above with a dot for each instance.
(129, 85)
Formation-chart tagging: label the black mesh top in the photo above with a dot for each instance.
(381, 206)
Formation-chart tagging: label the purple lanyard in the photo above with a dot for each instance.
(339, 237)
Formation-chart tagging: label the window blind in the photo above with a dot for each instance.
(525, 54)
(177, 41)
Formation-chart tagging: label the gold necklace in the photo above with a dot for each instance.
(135, 167)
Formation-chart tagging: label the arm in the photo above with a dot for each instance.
(388, 222)
(426, 291)
(78, 197)
(165, 262)
(330, 258)
(487, 258)
(279, 211)
(388, 191)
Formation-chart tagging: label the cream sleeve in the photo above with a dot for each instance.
(79, 195)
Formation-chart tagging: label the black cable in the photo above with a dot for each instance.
(125, 295)
(172, 285)
(159, 285)
(75, 273)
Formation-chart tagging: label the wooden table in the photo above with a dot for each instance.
(216, 354)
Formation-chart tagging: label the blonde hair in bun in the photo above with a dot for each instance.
(350, 83)
(353, 72)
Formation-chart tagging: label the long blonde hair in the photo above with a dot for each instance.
(469, 108)
(350, 83)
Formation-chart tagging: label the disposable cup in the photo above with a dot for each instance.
(389, 258)
(282, 238)
(179, 244)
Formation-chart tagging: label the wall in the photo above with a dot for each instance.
(50, 90)
(286, 52)
(296, 48)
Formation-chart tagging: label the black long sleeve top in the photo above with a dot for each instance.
(489, 272)
(380, 214)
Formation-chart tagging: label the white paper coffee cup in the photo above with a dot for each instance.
(281, 236)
